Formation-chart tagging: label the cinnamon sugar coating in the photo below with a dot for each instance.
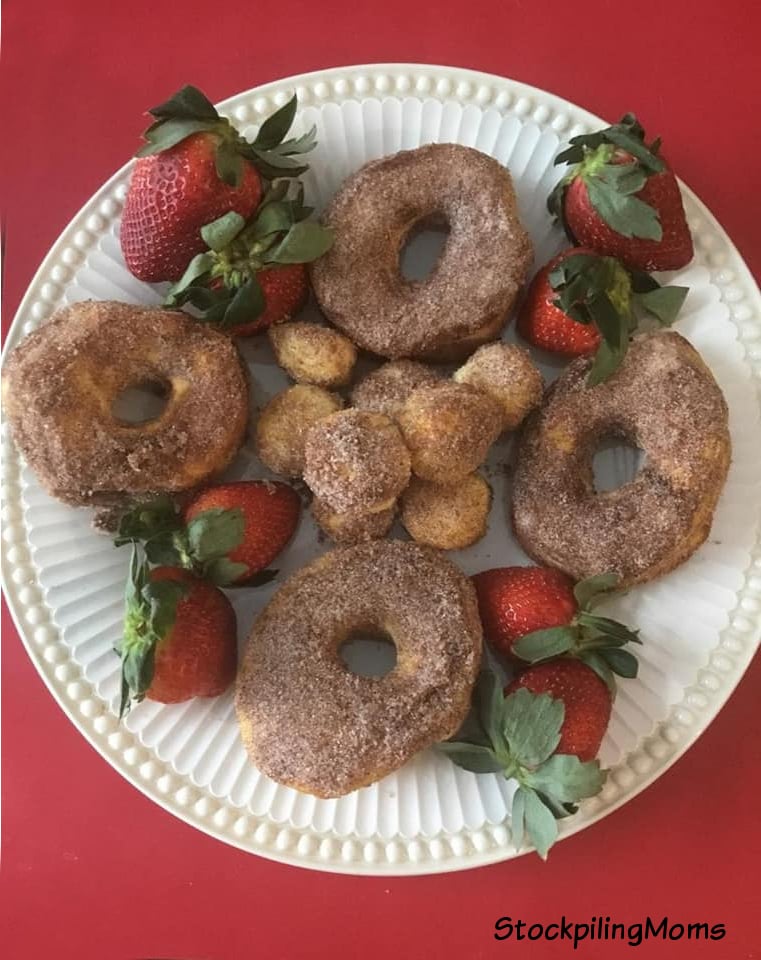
(386, 389)
(467, 296)
(662, 399)
(448, 517)
(356, 461)
(60, 383)
(352, 526)
(283, 425)
(313, 354)
(306, 720)
(508, 374)
(449, 428)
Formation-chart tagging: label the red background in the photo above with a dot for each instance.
(92, 870)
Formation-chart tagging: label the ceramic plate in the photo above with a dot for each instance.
(700, 624)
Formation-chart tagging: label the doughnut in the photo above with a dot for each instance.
(313, 354)
(508, 374)
(352, 526)
(281, 432)
(664, 400)
(386, 389)
(448, 428)
(61, 381)
(310, 723)
(448, 518)
(356, 461)
(465, 300)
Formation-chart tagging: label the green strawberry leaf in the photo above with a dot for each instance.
(278, 190)
(589, 591)
(215, 533)
(276, 126)
(642, 282)
(488, 704)
(273, 165)
(518, 816)
(146, 520)
(224, 572)
(168, 133)
(220, 233)
(304, 242)
(531, 724)
(624, 213)
(610, 629)
(189, 103)
(469, 756)
(559, 810)
(621, 662)
(228, 163)
(543, 644)
(276, 217)
(633, 144)
(601, 668)
(198, 267)
(246, 305)
(663, 303)
(540, 824)
(168, 550)
(606, 361)
(566, 779)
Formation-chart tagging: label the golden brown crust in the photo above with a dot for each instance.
(356, 461)
(306, 720)
(313, 354)
(466, 298)
(386, 389)
(448, 518)
(662, 399)
(508, 374)
(282, 428)
(61, 381)
(352, 526)
(448, 428)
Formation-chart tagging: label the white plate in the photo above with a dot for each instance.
(700, 623)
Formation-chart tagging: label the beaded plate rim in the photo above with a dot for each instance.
(305, 847)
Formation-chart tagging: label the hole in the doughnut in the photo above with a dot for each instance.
(422, 248)
(368, 653)
(141, 402)
(615, 464)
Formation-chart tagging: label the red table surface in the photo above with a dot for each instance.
(91, 869)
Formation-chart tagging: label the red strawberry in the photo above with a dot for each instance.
(270, 514)
(285, 292)
(179, 637)
(586, 698)
(171, 196)
(621, 199)
(582, 303)
(195, 168)
(545, 325)
(514, 601)
(534, 613)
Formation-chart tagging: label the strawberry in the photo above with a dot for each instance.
(582, 303)
(194, 168)
(270, 514)
(179, 637)
(535, 613)
(622, 200)
(586, 698)
(227, 533)
(252, 274)
(522, 736)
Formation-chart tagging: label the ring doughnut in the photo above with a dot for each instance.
(465, 300)
(662, 399)
(306, 720)
(61, 381)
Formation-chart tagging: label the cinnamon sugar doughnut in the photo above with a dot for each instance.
(352, 526)
(356, 461)
(662, 399)
(306, 720)
(60, 383)
(449, 428)
(508, 374)
(465, 300)
(386, 389)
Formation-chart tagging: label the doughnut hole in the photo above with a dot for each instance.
(141, 402)
(313, 354)
(352, 526)
(508, 374)
(448, 518)
(284, 423)
(423, 247)
(617, 461)
(387, 389)
(448, 428)
(368, 652)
